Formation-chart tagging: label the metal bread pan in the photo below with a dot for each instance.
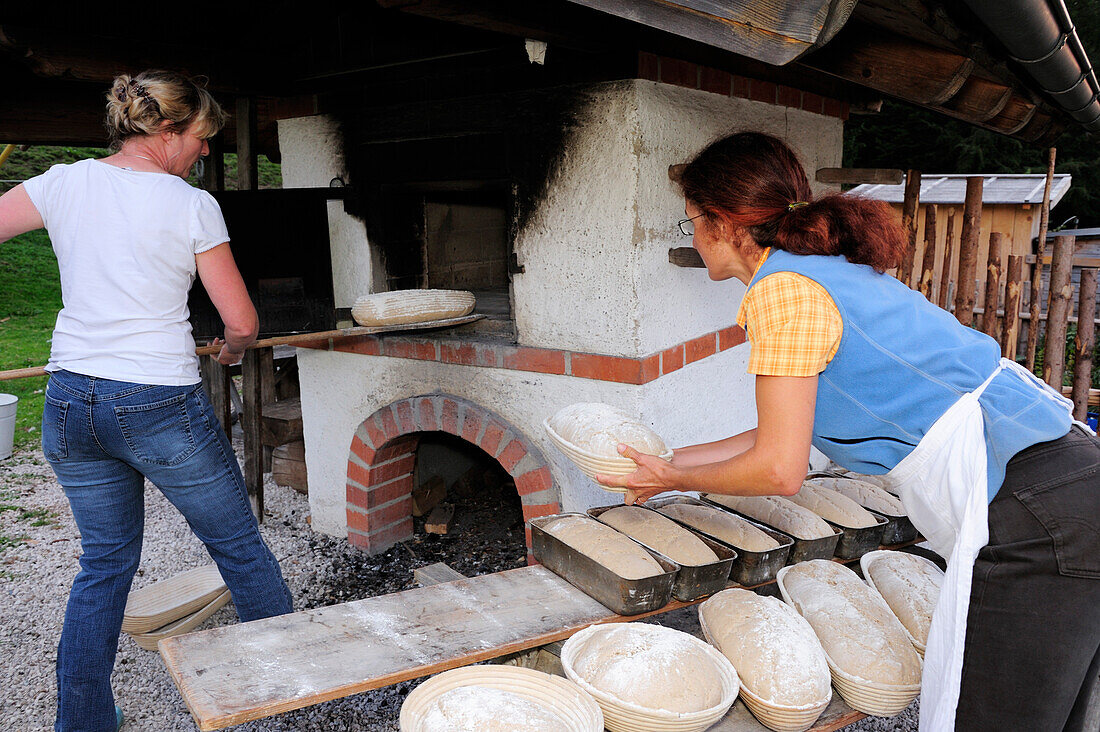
(854, 543)
(620, 595)
(899, 529)
(801, 549)
(750, 568)
(693, 580)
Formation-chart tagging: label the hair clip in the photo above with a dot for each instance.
(797, 204)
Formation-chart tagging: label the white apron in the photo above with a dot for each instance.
(944, 486)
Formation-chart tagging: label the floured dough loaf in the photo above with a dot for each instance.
(722, 525)
(657, 532)
(607, 546)
(651, 666)
(773, 648)
(485, 709)
(411, 306)
(879, 480)
(778, 512)
(833, 506)
(599, 428)
(911, 587)
(865, 494)
(855, 626)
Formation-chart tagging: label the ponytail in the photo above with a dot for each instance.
(754, 181)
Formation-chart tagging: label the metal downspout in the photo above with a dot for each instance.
(1041, 38)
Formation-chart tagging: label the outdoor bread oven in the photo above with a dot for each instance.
(565, 241)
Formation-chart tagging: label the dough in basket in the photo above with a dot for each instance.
(486, 709)
(599, 428)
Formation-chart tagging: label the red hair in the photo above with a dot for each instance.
(750, 180)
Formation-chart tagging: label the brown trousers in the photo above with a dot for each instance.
(1032, 659)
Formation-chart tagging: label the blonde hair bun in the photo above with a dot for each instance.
(142, 104)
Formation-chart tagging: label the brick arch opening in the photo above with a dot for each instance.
(382, 459)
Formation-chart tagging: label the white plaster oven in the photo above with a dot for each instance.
(599, 315)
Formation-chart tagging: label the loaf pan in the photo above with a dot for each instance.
(750, 568)
(620, 595)
(854, 543)
(693, 581)
(899, 529)
(803, 549)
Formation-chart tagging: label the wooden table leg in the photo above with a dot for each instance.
(215, 379)
(253, 372)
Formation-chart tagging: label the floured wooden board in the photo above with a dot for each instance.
(160, 603)
(253, 670)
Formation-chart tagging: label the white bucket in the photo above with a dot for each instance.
(8, 403)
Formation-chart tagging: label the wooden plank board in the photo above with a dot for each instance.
(434, 574)
(249, 671)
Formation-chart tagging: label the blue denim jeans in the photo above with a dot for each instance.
(103, 438)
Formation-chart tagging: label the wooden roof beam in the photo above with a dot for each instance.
(894, 65)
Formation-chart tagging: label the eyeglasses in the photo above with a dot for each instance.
(687, 228)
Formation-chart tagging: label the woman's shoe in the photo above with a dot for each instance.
(119, 718)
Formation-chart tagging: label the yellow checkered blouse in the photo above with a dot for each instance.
(793, 325)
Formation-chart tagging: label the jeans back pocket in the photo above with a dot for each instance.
(158, 433)
(1070, 512)
(54, 414)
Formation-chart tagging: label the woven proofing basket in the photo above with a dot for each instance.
(778, 717)
(564, 698)
(620, 716)
(869, 697)
(865, 563)
(590, 463)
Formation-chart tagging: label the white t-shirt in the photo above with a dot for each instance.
(126, 242)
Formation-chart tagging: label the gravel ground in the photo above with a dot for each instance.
(36, 573)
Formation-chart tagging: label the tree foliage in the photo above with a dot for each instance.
(908, 137)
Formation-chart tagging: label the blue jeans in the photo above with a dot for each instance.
(103, 438)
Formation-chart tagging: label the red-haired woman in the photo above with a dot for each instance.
(987, 461)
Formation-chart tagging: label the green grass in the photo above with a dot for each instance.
(30, 296)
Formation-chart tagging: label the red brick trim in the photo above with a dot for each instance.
(669, 70)
(382, 461)
(598, 366)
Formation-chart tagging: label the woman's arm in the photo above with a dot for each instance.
(713, 452)
(17, 214)
(775, 464)
(223, 283)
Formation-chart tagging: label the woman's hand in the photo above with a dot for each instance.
(225, 356)
(653, 476)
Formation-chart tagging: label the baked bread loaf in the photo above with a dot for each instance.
(911, 587)
(486, 709)
(722, 525)
(854, 624)
(651, 666)
(773, 648)
(400, 307)
(658, 532)
(777, 512)
(833, 506)
(599, 428)
(865, 494)
(607, 546)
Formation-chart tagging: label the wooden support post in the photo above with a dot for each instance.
(928, 266)
(247, 174)
(1084, 344)
(1033, 307)
(215, 379)
(256, 368)
(992, 285)
(909, 208)
(968, 250)
(948, 251)
(1010, 334)
(1058, 310)
(213, 170)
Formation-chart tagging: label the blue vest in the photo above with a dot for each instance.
(902, 362)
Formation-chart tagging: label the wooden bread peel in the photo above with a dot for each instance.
(164, 602)
(149, 641)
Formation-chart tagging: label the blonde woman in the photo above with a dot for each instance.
(124, 400)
